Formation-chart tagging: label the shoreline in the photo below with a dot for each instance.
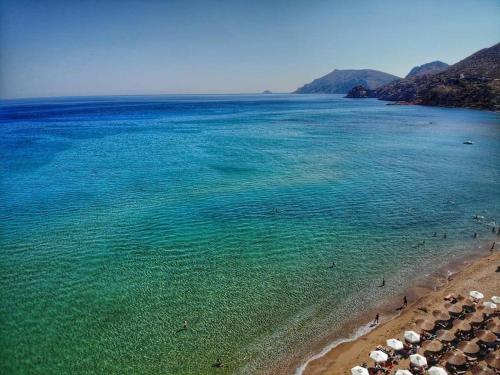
(472, 271)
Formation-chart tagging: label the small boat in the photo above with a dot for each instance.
(467, 142)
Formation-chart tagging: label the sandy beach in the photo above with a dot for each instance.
(479, 275)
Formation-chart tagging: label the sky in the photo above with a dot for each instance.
(126, 47)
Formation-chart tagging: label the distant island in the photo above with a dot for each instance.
(266, 92)
(473, 82)
(341, 81)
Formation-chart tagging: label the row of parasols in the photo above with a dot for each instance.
(465, 316)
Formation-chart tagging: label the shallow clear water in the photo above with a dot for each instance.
(122, 217)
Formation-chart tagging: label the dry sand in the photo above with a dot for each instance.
(478, 275)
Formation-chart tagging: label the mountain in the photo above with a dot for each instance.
(341, 81)
(429, 68)
(473, 82)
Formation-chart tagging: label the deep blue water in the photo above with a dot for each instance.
(121, 217)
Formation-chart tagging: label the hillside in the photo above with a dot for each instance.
(341, 81)
(473, 82)
(429, 68)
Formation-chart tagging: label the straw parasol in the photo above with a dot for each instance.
(441, 315)
(445, 336)
(403, 372)
(412, 337)
(482, 370)
(474, 318)
(358, 370)
(395, 344)
(467, 302)
(425, 324)
(494, 326)
(486, 310)
(433, 346)
(434, 370)
(486, 336)
(469, 347)
(418, 360)
(379, 356)
(455, 358)
(475, 294)
(453, 308)
(493, 360)
(462, 325)
(495, 299)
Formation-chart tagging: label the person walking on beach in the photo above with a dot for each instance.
(405, 301)
(375, 321)
(493, 246)
(383, 283)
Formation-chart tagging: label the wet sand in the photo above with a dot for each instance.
(475, 275)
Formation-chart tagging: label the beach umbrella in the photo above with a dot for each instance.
(434, 370)
(432, 346)
(494, 326)
(395, 344)
(467, 303)
(468, 347)
(425, 324)
(455, 358)
(482, 370)
(474, 318)
(445, 336)
(358, 370)
(475, 294)
(462, 325)
(453, 308)
(441, 315)
(418, 360)
(495, 299)
(379, 356)
(403, 372)
(486, 336)
(486, 310)
(491, 305)
(412, 336)
(493, 360)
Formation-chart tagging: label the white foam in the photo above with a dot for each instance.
(358, 333)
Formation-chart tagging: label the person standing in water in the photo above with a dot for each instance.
(383, 283)
(493, 246)
(185, 325)
(333, 265)
(405, 301)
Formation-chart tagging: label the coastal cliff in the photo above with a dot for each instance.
(341, 81)
(429, 68)
(473, 82)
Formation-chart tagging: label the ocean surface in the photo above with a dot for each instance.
(122, 217)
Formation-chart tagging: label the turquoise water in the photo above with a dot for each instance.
(122, 217)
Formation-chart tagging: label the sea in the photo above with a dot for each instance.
(123, 217)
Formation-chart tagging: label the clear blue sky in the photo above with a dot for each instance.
(90, 47)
